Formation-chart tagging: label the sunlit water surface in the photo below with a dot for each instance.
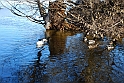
(66, 59)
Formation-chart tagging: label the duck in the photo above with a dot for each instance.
(90, 42)
(42, 42)
(112, 44)
(93, 46)
(85, 39)
(110, 47)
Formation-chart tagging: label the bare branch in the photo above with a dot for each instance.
(28, 9)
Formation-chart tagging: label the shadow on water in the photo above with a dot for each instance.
(57, 43)
(70, 61)
(105, 66)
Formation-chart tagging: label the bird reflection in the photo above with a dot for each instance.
(39, 54)
(37, 74)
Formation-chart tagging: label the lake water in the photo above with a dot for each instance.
(66, 59)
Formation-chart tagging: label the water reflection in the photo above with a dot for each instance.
(65, 66)
(66, 59)
(57, 41)
(75, 63)
(17, 39)
(105, 66)
(98, 68)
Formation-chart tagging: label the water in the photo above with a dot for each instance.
(66, 59)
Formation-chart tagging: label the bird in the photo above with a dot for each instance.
(93, 46)
(42, 42)
(112, 44)
(85, 39)
(110, 47)
(90, 42)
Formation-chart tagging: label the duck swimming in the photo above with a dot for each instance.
(42, 42)
(93, 46)
(112, 44)
(90, 42)
(110, 47)
(85, 39)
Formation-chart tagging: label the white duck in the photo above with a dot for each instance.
(42, 42)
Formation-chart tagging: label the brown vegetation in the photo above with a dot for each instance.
(97, 18)
(101, 18)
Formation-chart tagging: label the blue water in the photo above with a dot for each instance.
(66, 59)
(18, 38)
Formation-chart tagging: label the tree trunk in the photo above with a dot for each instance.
(41, 9)
(57, 14)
